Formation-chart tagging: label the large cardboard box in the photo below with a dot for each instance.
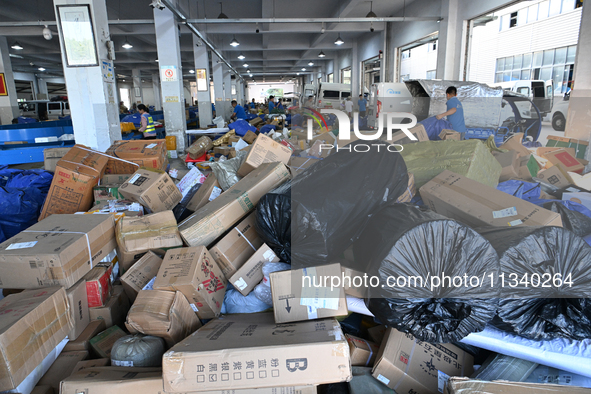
(407, 365)
(78, 308)
(155, 190)
(252, 351)
(566, 159)
(556, 176)
(401, 138)
(75, 175)
(33, 323)
(236, 247)
(465, 385)
(264, 150)
(193, 272)
(104, 341)
(115, 309)
(51, 156)
(139, 274)
(144, 153)
(580, 146)
(515, 143)
(83, 340)
(410, 191)
(476, 205)
(59, 250)
(543, 150)
(251, 273)
(98, 362)
(98, 285)
(450, 135)
(136, 236)
(207, 192)
(300, 164)
(62, 367)
(218, 216)
(250, 136)
(297, 299)
(528, 167)
(510, 163)
(165, 314)
(363, 353)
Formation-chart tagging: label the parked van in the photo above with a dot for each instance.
(44, 109)
(387, 97)
(332, 95)
(309, 90)
(540, 92)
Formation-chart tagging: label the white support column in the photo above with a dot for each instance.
(171, 75)
(218, 85)
(227, 78)
(355, 73)
(8, 104)
(138, 92)
(383, 66)
(449, 47)
(156, 88)
(203, 97)
(91, 94)
(336, 69)
(42, 89)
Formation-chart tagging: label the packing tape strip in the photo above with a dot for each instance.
(109, 156)
(414, 344)
(68, 232)
(370, 352)
(246, 239)
(302, 165)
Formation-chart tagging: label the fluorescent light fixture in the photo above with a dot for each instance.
(303, 68)
(126, 44)
(41, 69)
(234, 42)
(192, 71)
(241, 56)
(321, 54)
(339, 40)
(17, 46)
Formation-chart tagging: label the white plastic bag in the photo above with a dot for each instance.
(263, 290)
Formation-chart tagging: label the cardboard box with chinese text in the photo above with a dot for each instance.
(154, 190)
(98, 285)
(104, 341)
(144, 153)
(363, 353)
(78, 308)
(251, 273)
(139, 274)
(264, 150)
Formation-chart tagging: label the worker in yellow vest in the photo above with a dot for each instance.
(147, 123)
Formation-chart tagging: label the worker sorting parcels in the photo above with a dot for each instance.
(271, 103)
(455, 110)
(239, 112)
(147, 123)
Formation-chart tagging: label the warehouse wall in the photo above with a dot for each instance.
(369, 45)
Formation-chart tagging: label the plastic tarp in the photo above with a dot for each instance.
(332, 200)
(136, 119)
(241, 127)
(521, 189)
(402, 241)
(434, 126)
(426, 160)
(226, 171)
(267, 128)
(544, 308)
(25, 120)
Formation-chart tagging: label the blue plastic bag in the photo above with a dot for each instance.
(433, 127)
(24, 120)
(297, 120)
(241, 127)
(521, 189)
(267, 128)
(136, 119)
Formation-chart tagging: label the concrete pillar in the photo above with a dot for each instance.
(42, 93)
(91, 94)
(8, 104)
(137, 93)
(383, 66)
(449, 47)
(227, 92)
(218, 85)
(355, 72)
(156, 88)
(336, 69)
(171, 75)
(203, 98)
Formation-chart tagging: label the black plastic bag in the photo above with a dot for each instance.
(333, 199)
(402, 242)
(273, 223)
(535, 304)
(571, 220)
(180, 211)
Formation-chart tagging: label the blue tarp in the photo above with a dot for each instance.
(241, 127)
(433, 127)
(521, 189)
(136, 119)
(23, 120)
(267, 128)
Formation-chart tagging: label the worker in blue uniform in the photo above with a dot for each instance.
(252, 104)
(271, 103)
(455, 110)
(239, 112)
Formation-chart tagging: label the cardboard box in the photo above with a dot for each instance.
(27, 316)
(115, 309)
(580, 146)
(118, 207)
(99, 362)
(510, 163)
(542, 151)
(250, 136)
(264, 150)
(51, 156)
(44, 390)
(556, 176)
(377, 333)
(193, 272)
(349, 288)
(223, 150)
(236, 247)
(465, 385)
(98, 285)
(139, 274)
(104, 341)
(55, 251)
(569, 162)
(474, 204)
(165, 314)
(515, 143)
(251, 273)
(155, 190)
(217, 217)
(450, 135)
(136, 236)
(115, 179)
(62, 367)
(83, 340)
(411, 190)
(300, 164)
(255, 121)
(296, 299)
(78, 301)
(75, 176)
(144, 153)
(258, 354)
(363, 353)
(106, 192)
(528, 167)
(413, 366)
(401, 138)
(207, 192)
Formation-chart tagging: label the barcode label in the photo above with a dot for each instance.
(150, 146)
(503, 213)
(134, 178)
(21, 245)
(515, 223)
(120, 363)
(383, 379)
(215, 193)
(194, 308)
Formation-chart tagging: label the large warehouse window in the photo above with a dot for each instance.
(536, 12)
(346, 75)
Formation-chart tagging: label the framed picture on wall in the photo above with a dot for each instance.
(3, 89)
(75, 24)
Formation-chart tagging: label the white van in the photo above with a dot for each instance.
(309, 90)
(332, 95)
(387, 97)
(540, 92)
(44, 109)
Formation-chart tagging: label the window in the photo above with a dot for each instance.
(513, 19)
(517, 61)
(523, 90)
(557, 77)
(499, 77)
(525, 74)
(522, 17)
(560, 55)
(431, 74)
(432, 46)
(532, 13)
(548, 57)
(571, 54)
(515, 75)
(508, 63)
(344, 95)
(526, 60)
(328, 94)
(54, 107)
(330, 78)
(501, 64)
(505, 19)
(568, 5)
(346, 75)
(555, 7)
(67, 105)
(406, 54)
(543, 10)
(538, 58)
(545, 73)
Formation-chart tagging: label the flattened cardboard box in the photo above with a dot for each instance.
(408, 365)
(234, 249)
(78, 308)
(83, 340)
(139, 274)
(251, 351)
(62, 367)
(75, 176)
(465, 385)
(55, 251)
(297, 295)
(218, 216)
(154, 190)
(476, 205)
(363, 353)
(115, 310)
(193, 272)
(144, 153)
(51, 156)
(207, 192)
(104, 341)
(264, 150)
(33, 323)
(136, 236)
(251, 273)
(165, 314)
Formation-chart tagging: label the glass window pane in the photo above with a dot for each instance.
(525, 74)
(537, 59)
(509, 63)
(499, 77)
(568, 5)
(543, 10)
(517, 62)
(536, 74)
(526, 60)
(548, 57)
(546, 73)
(515, 75)
(560, 56)
(554, 7)
(505, 19)
(532, 13)
(522, 17)
(565, 76)
(501, 64)
(506, 76)
(557, 75)
(571, 54)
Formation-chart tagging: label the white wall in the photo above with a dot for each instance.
(258, 91)
(420, 61)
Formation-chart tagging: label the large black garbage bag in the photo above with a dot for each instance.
(402, 242)
(572, 220)
(546, 281)
(273, 223)
(332, 200)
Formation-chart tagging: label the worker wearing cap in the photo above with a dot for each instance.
(239, 112)
(147, 123)
(271, 103)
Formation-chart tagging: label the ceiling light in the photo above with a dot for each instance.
(303, 68)
(371, 14)
(126, 44)
(192, 71)
(321, 54)
(41, 69)
(17, 46)
(222, 15)
(123, 80)
(248, 71)
(339, 40)
(47, 34)
(241, 56)
(156, 60)
(297, 73)
(311, 64)
(245, 65)
(323, 29)
(234, 41)
(250, 75)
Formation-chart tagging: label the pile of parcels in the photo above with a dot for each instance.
(135, 281)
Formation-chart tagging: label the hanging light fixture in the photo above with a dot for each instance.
(297, 73)
(234, 42)
(310, 63)
(339, 40)
(222, 15)
(321, 54)
(371, 14)
(126, 44)
(248, 71)
(245, 65)
(17, 46)
(192, 71)
(41, 69)
(241, 56)
(303, 68)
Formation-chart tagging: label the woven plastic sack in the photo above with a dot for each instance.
(138, 351)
